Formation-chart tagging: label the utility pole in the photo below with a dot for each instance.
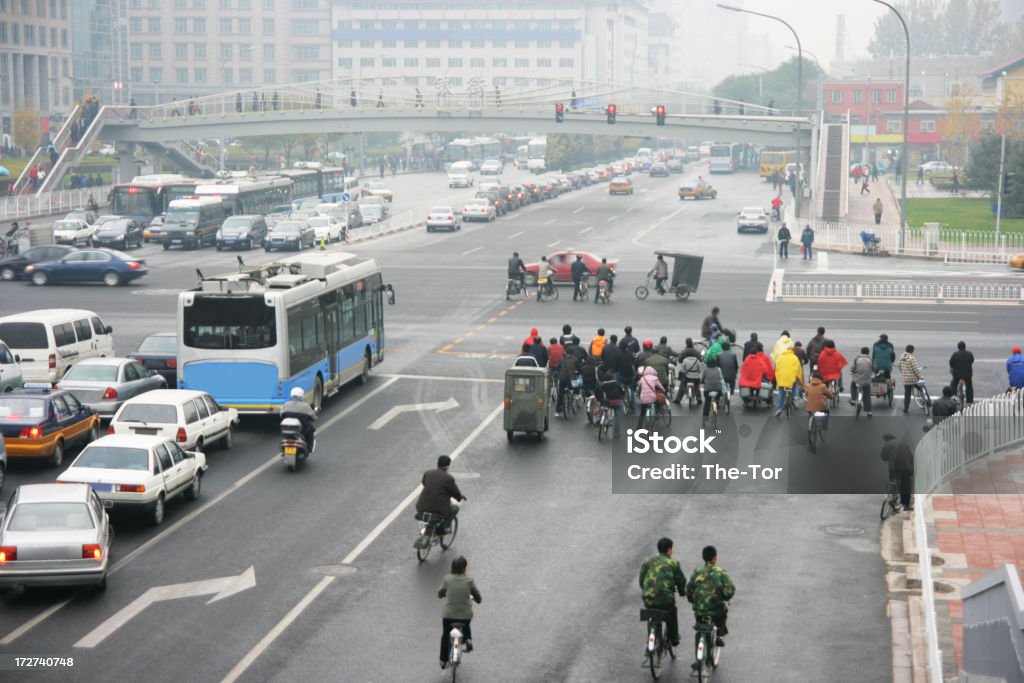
(999, 195)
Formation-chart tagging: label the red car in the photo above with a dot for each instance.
(561, 261)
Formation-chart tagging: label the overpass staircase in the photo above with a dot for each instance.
(71, 152)
(189, 159)
(61, 141)
(832, 190)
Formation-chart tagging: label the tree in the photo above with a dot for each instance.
(956, 27)
(309, 143)
(985, 170)
(960, 126)
(778, 85)
(26, 127)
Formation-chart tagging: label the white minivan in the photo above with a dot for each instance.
(51, 340)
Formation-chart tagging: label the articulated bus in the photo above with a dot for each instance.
(148, 196)
(246, 196)
(774, 160)
(475, 149)
(315, 184)
(314, 321)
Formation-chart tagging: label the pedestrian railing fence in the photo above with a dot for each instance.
(1006, 292)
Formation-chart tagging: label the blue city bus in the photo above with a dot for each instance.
(314, 321)
(313, 183)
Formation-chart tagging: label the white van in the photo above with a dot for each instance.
(50, 341)
(10, 372)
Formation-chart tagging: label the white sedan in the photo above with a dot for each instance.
(73, 231)
(444, 218)
(478, 210)
(140, 473)
(326, 228)
(752, 218)
(936, 167)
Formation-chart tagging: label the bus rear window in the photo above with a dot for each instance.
(229, 323)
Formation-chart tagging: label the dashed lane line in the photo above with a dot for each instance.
(577, 210)
(554, 244)
(588, 229)
(352, 556)
(612, 218)
(43, 616)
(551, 222)
(443, 378)
(515, 235)
(447, 348)
(470, 251)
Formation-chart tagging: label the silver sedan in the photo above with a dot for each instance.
(55, 535)
(444, 218)
(752, 218)
(104, 384)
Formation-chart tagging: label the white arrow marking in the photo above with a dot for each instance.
(398, 410)
(220, 588)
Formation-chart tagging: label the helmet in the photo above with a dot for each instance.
(648, 344)
(297, 392)
(444, 461)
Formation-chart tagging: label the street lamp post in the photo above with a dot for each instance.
(906, 124)
(799, 80)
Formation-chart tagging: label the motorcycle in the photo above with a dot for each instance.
(603, 295)
(294, 449)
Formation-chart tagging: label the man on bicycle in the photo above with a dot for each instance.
(884, 355)
(517, 270)
(711, 378)
(439, 488)
(612, 396)
(901, 467)
(657, 360)
(818, 395)
(789, 374)
(831, 364)
(709, 590)
(660, 579)
(567, 371)
(660, 274)
(579, 271)
(911, 373)
(690, 371)
(861, 373)
(459, 588)
(961, 366)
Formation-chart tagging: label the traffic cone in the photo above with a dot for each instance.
(323, 244)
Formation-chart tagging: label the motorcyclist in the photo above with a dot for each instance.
(660, 273)
(883, 355)
(297, 408)
(545, 272)
(517, 269)
(439, 489)
(1015, 369)
(607, 273)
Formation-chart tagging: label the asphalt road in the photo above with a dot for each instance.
(338, 593)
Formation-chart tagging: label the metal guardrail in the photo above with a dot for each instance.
(397, 222)
(948, 244)
(902, 289)
(50, 203)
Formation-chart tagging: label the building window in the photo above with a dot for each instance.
(522, 63)
(499, 43)
(226, 25)
(156, 75)
(136, 74)
(305, 75)
(245, 75)
(927, 125)
(365, 61)
(226, 51)
(302, 52)
(305, 4)
(411, 62)
(411, 43)
(890, 96)
(837, 97)
(476, 44)
(367, 44)
(476, 62)
(543, 44)
(199, 26)
(268, 4)
(345, 62)
(268, 27)
(135, 25)
(454, 62)
(455, 43)
(30, 34)
(893, 126)
(411, 81)
(542, 62)
(244, 25)
(566, 62)
(244, 4)
(456, 80)
(500, 62)
(155, 51)
(305, 27)
(389, 44)
(42, 36)
(181, 50)
(181, 75)
(388, 61)
(434, 44)
(270, 76)
(522, 45)
(53, 37)
(433, 62)
(499, 81)
(180, 25)
(857, 94)
(63, 9)
(876, 96)
(567, 44)
(269, 51)
(153, 24)
(199, 4)
(854, 120)
(200, 74)
(199, 50)
(224, 4)
(227, 76)
(135, 50)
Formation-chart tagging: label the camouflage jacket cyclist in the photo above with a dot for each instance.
(709, 589)
(660, 579)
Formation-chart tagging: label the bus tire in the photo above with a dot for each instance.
(364, 375)
(318, 395)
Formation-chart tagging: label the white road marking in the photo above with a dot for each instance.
(441, 378)
(611, 218)
(899, 319)
(395, 411)
(577, 210)
(43, 616)
(554, 244)
(655, 225)
(470, 251)
(352, 556)
(871, 311)
(585, 230)
(514, 235)
(551, 222)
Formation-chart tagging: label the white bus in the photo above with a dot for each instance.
(314, 321)
(521, 156)
(536, 151)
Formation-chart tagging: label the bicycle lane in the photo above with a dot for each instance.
(556, 555)
(283, 524)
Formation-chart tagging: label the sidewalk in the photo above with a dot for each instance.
(861, 210)
(975, 525)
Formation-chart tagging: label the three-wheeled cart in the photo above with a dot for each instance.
(683, 278)
(527, 402)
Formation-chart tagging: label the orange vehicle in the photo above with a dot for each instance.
(620, 185)
(1017, 261)
(42, 424)
(697, 190)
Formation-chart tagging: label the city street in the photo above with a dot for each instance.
(338, 592)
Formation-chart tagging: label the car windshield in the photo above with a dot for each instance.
(51, 517)
(87, 372)
(66, 225)
(155, 413)
(159, 344)
(22, 409)
(319, 222)
(235, 225)
(182, 216)
(114, 458)
(24, 335)
(114, 227)
(376, 186)
(287, 227)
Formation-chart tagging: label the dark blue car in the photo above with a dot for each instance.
(109, 266)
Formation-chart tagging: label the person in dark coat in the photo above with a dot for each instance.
(729, 365)
(439, 488)
(901, 467)
(961, 365)
(750, 347)
(539, 351)
(579, 271)
(784, 236)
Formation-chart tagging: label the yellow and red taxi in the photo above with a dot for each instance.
(40, 423)
(562, 261)
(1017, 261)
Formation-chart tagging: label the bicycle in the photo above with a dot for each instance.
(707, 653)
(546, 289)
(657, 640)
(515, 288)
(961, 394)
(833, 386)
(788, 400)
(719, 403)
(656, 414)
(691, 394)
(455, 649)
(816, 425)
(592, 408)
(584, 290)
(921, 398)
(430, 533)
(891, 503)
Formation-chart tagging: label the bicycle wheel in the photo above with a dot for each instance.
(602, 428)
(790, 406)
(591, 408)
(812, 434)
(860, 406)
(665, 417)
(888, 510)
(641, 292)
(703, 670)
(919, 398)
(691, 397)
(553, 293)
(673, 650)
(654, 657)
(424, 552)
(712, 419)
(449, 538)
(584, 290)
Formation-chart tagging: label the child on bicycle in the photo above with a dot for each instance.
(818, 395)
(650, 387)
(458, 587)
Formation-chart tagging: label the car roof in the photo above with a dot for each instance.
(165, 396)
(752, 208)
(162, 334)
(52, 493)
(129, 441)
(104, 361)
(48, 315)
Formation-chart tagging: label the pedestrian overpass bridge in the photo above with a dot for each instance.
(355, 106)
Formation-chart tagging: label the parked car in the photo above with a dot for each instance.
(192, 418)
(10, 371)
(242, 231)
(104, 384)
(55, 535)
(108, 266)
(478, 210)
(118, 233)
(159, 353)
(13, 268)
(73, 231)
(444, 218)
(87, 215)
(931, 167)
(290, 234)
(41, 424)
(138, 473)
(752, 218)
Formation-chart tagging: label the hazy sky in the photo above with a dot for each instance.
(815, 23)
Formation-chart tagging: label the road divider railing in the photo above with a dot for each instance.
(857, 290)
(397, 222)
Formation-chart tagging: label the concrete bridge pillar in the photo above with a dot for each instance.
(127, 168)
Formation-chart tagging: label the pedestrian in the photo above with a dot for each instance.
(861, 372)
(263, 101)
(419, 98)
(807, 239)
(864, 184)
(380, 100)
(255, 106)
(874, 173)
(741, 107)
(572, 99)
(961, 366)
(775, 180)
(238, 103)
(911, 372)
(792, 183)
(784, 237)
(275, 101)
(319, 100)
(878, 211)
(901, 467)
(920, 175)
(134, 113)
(771, 107)
(858, 170)
(717, 107)
(382, 168)
(459, 588)
(497, 97)
(956, 182)
(352, 99)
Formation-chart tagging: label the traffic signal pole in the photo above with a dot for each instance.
(1002, 179)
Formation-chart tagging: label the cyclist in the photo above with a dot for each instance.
(709, 590)
(781, 344)
(789, 374)
(650, 386)
(297, 408)
(777, 207)
(657, 360)
(439, 489)
(901, 467)
(729, 365)
(528, 342)
(831, 364)
(664, 349)
(1015, 369)
(660, 274)
(567, 370)
(818, 395)
(712, 380)
(861, 373)
(626, 371)
(750, 346)
(660, 579)
(545, 271)
(556, 352)
(517, 270)
(539, 351)
(911, 373)
(566, 338)
(459, 588)
(756, 369)
(597, 343)
(945, 406)
(632, 343)
(706, 324)
(579, 271)
(611, 394)
(961, 365)
(690, 371)
(884, 355)
(815, 346)
(717, 346)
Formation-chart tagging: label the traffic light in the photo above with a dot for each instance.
(559, 112)
(659, 114)
(610, 111)
(1008, 183)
